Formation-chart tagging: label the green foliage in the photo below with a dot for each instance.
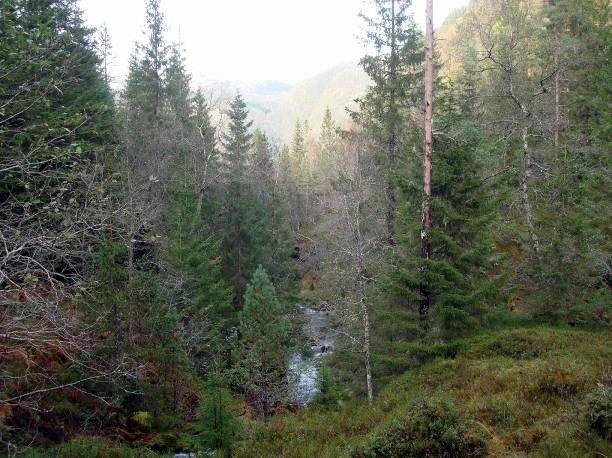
(432, 428)
(517, 403)
(203, 300)
(395, 70)
(253, 226)
(461, 279)
(144, 419)
(262, 354)
(144, 90)
(574, 267)
(219, 427)
(599, 411)
(177, 88)
(95, 447)
(57, 128)
(328, 391)
(237, 141)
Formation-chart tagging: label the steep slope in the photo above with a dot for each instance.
(336, 88)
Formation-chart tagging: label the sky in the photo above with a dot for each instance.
(249, 40)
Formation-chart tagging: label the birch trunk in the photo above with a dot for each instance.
(525, 175)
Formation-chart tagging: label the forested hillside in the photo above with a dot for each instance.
(428, 275)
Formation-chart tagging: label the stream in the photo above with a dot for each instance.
(303, 368)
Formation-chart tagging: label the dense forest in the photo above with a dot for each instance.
(432, 278)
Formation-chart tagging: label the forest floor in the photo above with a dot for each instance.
(525, 389)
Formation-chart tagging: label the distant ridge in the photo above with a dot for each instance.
(275, 106)
(336, 88)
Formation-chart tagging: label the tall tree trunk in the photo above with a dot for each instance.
(366, 350)
(363, 301)
(427, 150)
(525, 175)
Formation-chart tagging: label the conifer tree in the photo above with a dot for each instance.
(177, 88)
(196, 286)
(155, 55)
(206, 154)
(329, 140)
(394, 68)
(262, 166)
(457, 277)
(237, 142)
(298, 150)
(58, 128)
(242, 236)
(219, 427)
(261, 374)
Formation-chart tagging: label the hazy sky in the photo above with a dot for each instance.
(249, 40)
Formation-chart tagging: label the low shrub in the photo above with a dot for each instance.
(432, 428)
(552, 381)
(599, 411)
(329, 393)
(91, 447)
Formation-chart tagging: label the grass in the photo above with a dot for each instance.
(534, 390)
(525, 388)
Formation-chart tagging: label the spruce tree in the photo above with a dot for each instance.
(176, 84)
(196, 285)
(242, 235)
(219, 427)
(394, 68)
(208, 136)
(155, 56)
(458, 277)
(57, 135)
(261, 374)
(237, 142)
(262, 166)
(329, 141)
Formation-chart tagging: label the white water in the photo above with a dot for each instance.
(303, 369)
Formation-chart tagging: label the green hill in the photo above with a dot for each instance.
(336, 88)
(529, 391)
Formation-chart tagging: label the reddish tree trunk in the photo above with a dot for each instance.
(429, 77)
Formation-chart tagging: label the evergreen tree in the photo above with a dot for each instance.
(298, 150)
(155, 56)
(252, 227)
(177, 88)
(104, 48)
(394, 69)
(58, 132)
(242, 236)
(205, 155)
(197, 288)
(273, 217)
(237, 142)
(219, 427)
(329, 140)
(207, 132)
(261, 374)
(328, 391)
(262, 166)
(458, 275)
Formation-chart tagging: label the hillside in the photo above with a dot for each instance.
(336, 88)
(526, 391)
